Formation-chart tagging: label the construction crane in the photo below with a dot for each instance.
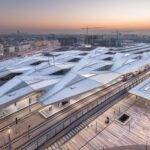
(87, 32)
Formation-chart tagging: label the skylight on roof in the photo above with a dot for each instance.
(110, 53)
(104, 68)
(61, 72)
(74, 60)
(36, 63)
(8, 77)
(108, 58)
(83, 54)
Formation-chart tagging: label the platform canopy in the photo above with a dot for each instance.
(95, 70)
(142, 90)
(19, 77)
(69, 74)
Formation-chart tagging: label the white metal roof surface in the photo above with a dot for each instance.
(122, 63)
(33, 78)
(142, 90)
(90, 72)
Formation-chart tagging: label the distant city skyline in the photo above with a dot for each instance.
(65, 16)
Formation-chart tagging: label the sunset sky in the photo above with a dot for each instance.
(43, 16)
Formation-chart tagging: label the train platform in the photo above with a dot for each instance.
(99, 135)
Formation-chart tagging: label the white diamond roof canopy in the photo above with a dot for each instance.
(22, 76)
(73, 72)
(108, 71)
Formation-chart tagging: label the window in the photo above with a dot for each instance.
(8, 77)
(37, 63)
(74, 60)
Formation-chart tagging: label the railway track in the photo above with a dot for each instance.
(57, 144)
(70, 109)
(14, 115)
(29, 114)
(59, 114)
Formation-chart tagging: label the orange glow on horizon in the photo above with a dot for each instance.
(111, 25)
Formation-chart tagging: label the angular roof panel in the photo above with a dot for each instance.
(142, 90)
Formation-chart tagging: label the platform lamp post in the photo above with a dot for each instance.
(147, 139)
(146, 145)
(146, 107)
(102, 147)
(146, 132)
(129, 125)
(96, 127)
(29, 104)
(114, 114)
(29, 131)
(119, 110)
(9, 139)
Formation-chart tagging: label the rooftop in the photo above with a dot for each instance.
(142, 90)
(67, 73)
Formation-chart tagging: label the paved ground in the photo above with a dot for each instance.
(99, 135)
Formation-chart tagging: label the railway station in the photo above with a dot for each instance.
(67, 84)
